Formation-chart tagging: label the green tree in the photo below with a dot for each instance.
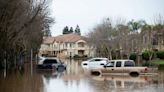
(77, 30)
(160, 54)
(66, 30)
(71, 30)
(134, 26)
(147, 55)
(133, 56)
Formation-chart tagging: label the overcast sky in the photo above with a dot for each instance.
(88, 13)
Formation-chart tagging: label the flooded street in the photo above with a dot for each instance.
(75, 79)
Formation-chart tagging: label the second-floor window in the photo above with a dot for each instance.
(70, 45)
(48, 45)
(66, 45)
(81, 44)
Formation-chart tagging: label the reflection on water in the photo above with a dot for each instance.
(75, 79)
(19, 81)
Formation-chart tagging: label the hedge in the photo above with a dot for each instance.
(146, 55)
(160, 54)
(133, 56)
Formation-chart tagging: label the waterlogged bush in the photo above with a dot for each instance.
(77, 56)
(147, 55)
(133, 56)
(160, 54)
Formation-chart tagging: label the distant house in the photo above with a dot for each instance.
(66, 45)
(47, 46)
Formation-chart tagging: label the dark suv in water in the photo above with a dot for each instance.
(50, 63)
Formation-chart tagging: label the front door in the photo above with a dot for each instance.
(81, 52)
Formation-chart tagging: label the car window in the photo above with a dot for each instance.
(110, 64)
(50, 61)
(98, 59)
(129, 64)
(95, 60)
(118, 64)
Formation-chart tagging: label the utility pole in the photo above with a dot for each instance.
(31, 61)
(5, 65)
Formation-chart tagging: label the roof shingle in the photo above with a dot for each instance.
(68, 38)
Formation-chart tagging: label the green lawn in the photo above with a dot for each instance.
(158, 62)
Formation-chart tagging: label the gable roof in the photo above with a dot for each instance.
(68, 38)
(48, 40)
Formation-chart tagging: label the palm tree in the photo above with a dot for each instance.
(134, 26)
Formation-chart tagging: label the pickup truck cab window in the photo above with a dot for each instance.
(118, 64)
(110, 64)
(129, 64)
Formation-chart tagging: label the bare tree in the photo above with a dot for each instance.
(22, 26)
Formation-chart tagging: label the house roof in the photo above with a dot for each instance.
(48, 40)
(63, 38)
(68, 38)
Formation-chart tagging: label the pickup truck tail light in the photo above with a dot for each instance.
(146, 70)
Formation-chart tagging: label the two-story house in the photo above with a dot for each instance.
(66, 45)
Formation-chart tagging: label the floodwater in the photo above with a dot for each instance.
(75, 79)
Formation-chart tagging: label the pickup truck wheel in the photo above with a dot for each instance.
(95, 73)
(134, 74)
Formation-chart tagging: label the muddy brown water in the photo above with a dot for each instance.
(75, 79)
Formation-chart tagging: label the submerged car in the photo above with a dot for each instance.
(94, 63)
(50, 63)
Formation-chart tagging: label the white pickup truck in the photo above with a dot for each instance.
(123, 67)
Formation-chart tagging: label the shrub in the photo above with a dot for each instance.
(76, 56)
(146, 55)
(133, 56)
(160, 54)
(85, 56)
(147, 64)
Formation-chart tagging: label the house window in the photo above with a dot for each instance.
(70, 45)
(48, 45)
(81, 44)
(66, 45)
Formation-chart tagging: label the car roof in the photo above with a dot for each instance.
(51, 58)
(122, 60)
(99, 58)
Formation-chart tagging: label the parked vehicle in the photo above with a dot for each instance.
(94, 63)
(123, 67)
(50, 63)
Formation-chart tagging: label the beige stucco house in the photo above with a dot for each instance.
(66, 45)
